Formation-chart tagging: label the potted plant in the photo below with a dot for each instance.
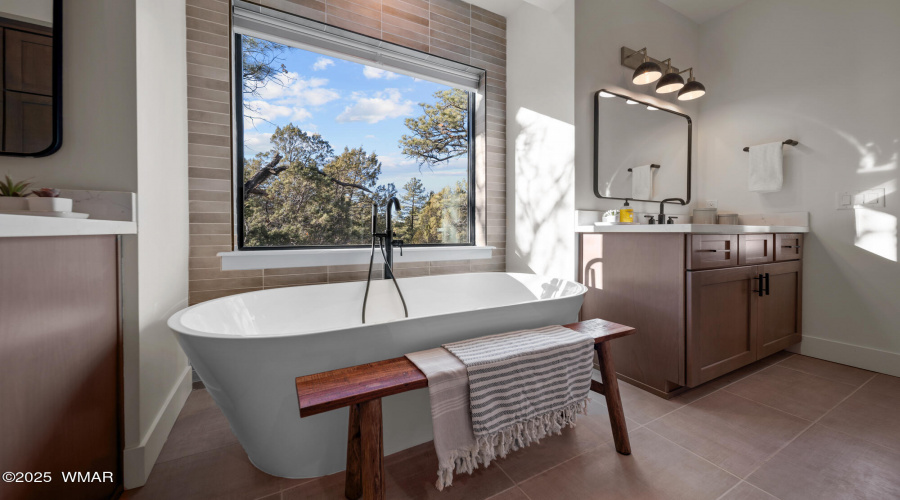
(48, 200)
(12, 195)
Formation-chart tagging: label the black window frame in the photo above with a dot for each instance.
(237, 90)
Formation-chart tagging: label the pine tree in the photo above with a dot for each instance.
(411, 204)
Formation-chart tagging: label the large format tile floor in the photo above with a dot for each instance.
(788, 427)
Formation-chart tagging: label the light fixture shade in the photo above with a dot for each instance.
(692, 90)
(647, 72)
(670, 82)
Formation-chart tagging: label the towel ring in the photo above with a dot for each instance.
(654, 165)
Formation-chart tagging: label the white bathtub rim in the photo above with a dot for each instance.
(177, 326)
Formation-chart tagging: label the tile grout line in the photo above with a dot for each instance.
(764, 462)
(713, 392)
(698, 456)
(776, 409)
(569, 459)
(814, 375)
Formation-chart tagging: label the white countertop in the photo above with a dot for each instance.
(32, 225)
(690, 228)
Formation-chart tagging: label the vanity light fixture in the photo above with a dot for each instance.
(629, 101)
(647, 72)
(671, 81)
(606, 94)
(651, 108)
(692, 89)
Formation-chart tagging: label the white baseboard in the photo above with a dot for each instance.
(139, 460)
(866, 358)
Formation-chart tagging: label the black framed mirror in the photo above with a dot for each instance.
(631, 135)
(31, 83)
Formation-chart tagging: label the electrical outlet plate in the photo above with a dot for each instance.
(712, 204)
(843, 200)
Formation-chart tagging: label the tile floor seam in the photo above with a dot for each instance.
(502, 492)
(196, 453)
(811, 424)
(698, 456)
(717, 390)
(817, 376)
(772, 407)
(730, 490)
(589, 450)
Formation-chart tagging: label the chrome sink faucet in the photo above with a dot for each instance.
(661, 218)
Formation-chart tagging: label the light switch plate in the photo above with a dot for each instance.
(843, 200)
(871, 198)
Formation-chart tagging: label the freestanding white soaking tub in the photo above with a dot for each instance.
(248, 349)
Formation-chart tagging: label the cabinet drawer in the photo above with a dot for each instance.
(788, 246)
(710, 251)
(756, 249)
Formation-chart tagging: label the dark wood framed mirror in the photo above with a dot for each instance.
(31, 83)
(630, 134)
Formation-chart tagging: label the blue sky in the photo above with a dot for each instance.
(350, 105)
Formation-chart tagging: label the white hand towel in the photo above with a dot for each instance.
(766, 173)
(641, 182)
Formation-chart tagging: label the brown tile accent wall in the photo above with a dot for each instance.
(447, 28)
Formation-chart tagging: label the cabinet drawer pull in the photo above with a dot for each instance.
(790, 246)
(759, 285)
(712, 250)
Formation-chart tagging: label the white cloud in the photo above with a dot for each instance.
(382, 105)
(322, 63)
(370, 136)
(257, 141)
(290, 88)
(395, 161)
(377, 73)
(256, 112)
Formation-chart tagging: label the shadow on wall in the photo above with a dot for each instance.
(876, 231)
(544, 194)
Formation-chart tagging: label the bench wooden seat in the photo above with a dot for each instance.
(361, 388)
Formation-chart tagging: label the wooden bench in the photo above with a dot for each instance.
(362, 387)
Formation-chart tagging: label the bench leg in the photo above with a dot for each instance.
(365, 452)
(353, 482)
(613, 399)
(372, 444)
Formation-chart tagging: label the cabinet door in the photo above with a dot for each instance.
(788, 246)
(28, 62)
(756, 249)
(779, 308)
(721, 322)
(708, 251)
(28, 126)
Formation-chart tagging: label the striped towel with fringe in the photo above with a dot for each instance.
(522, 387)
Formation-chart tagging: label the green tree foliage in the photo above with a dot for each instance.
(301, 193)
(441, 133)
(412, 202)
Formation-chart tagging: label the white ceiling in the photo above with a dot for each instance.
(701, 11)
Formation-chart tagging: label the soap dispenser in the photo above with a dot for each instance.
(626, 213)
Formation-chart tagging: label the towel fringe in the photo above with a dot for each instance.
(511, 438)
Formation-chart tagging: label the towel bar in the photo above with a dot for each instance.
(789, 142)
(654, 165)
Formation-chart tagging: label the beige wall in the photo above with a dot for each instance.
(446, 28)
(541, 141)
(814, 71)
(602, 27)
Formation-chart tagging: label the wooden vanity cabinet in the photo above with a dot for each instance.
(703, 304)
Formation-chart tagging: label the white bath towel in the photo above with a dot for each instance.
(448, 388)
(766, 172)
(642, 182)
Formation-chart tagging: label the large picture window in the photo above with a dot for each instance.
(321, 138)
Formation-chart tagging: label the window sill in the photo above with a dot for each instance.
(274, 259)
